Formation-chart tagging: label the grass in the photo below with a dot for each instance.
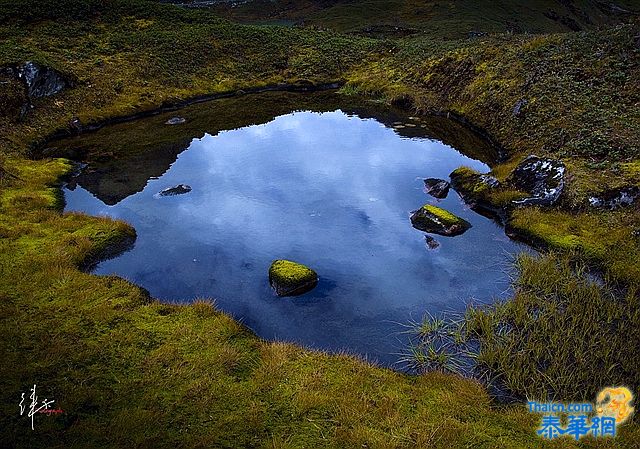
(560, 337)
(129, 56)
(130, 371)
(605, 239)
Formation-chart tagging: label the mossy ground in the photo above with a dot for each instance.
(130, 371)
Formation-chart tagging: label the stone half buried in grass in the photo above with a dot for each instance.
(175, 121)
(291, 279)
(435, 220)
(543, 178)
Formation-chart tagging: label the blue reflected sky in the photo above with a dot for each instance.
(328, 190)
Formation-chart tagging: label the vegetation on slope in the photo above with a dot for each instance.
(125, 56)
(441, 19)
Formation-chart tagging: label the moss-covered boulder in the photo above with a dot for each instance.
(435, 220)
(472, 186)
(484, 193)
(291, 279)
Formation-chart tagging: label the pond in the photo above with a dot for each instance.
(314, 178)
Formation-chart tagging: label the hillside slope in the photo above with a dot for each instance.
(442, 19)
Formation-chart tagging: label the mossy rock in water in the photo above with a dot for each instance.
(291, 279)
(472, 186)
(435, 220)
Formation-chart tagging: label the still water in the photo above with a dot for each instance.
(324, 186)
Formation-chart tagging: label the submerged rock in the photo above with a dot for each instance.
(289, 278)
(542, 178)
(431, 242)
(438, 188)
(435, 220)
(180, 189)
(616, 198)
(175, 121)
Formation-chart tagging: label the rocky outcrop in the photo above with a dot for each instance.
(435, 220)
(41, 81)
(519, 107)
(437, 188)
(542, 178)
(289, 278)
(37, 81)
(475, 189)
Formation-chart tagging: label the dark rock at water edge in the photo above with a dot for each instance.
(289, 278)
(542, 178)
(475, 190)
(435, 220)
(489, 181)
(614, 199)
(180, 189)
(438, 188)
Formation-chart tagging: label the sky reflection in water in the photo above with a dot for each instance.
(325, 189)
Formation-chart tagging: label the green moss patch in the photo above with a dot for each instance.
(606, 239)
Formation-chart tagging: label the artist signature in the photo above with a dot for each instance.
(33, 407)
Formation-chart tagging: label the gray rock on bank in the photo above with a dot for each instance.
(542, 178)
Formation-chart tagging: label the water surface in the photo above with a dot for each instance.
(324, 186)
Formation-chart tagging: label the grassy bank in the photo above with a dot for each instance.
(127, 56)
(130, 371)
(579, 104)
